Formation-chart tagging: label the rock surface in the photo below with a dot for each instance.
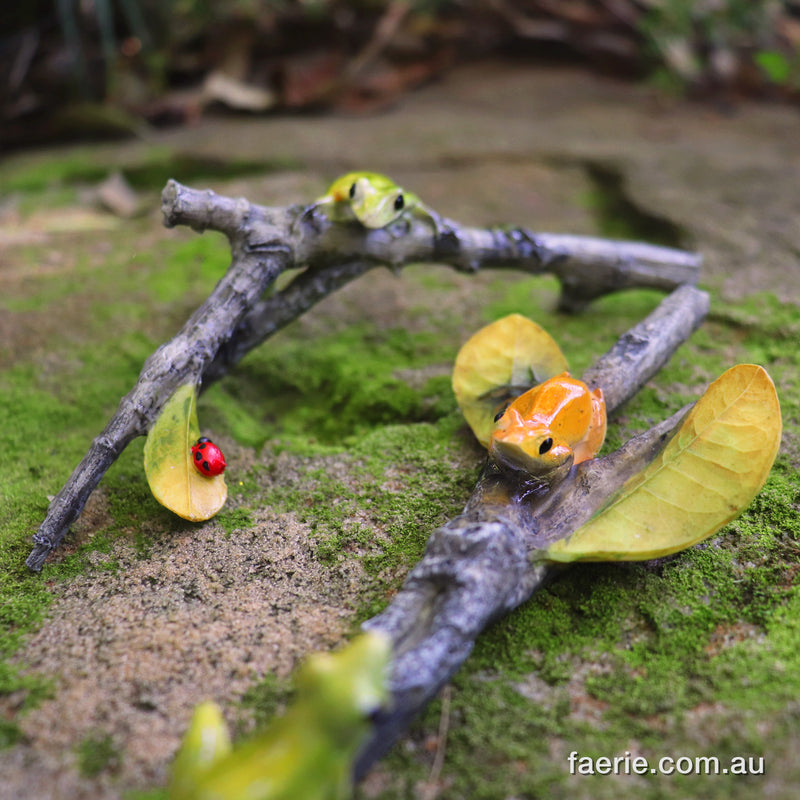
(207, 611)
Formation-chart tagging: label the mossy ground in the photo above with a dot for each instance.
(627, 658)
(346, 421)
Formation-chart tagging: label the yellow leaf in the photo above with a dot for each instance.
(173, 479)
(499, 363)
(706, 476)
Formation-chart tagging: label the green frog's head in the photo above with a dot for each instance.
(375, 199)
(376, 205)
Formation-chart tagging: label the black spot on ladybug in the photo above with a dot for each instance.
(198, 457)
(206, 466)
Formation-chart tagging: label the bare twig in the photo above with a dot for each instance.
(431, 789)
(266, 241)
(256, 264)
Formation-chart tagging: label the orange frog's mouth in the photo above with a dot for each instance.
(536, 455)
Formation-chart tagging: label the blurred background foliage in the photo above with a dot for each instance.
(100, 67)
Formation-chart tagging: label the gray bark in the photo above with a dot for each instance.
(266, 241)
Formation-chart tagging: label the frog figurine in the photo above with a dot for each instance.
(549, 428)
(375, 200)
(307, 753)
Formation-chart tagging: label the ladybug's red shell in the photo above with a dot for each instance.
(207, 457)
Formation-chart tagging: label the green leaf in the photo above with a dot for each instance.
(775, 65)
(500, 362)
(173, 479)
(706, 476)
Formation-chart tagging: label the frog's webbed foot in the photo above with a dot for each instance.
(440, 226)
(309, 214)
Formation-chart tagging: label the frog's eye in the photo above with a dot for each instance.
(399, 202)
(352, 191)
(545, 445)
(499, 415)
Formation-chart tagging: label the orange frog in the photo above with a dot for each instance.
(557, 423)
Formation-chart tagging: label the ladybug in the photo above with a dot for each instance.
(207, 457)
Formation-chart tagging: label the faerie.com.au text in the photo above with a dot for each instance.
(629, 764)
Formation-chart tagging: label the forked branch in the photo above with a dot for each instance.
(267, 241)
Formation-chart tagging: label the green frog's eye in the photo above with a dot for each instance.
(545, 445)
(352, 191)
(399, 202)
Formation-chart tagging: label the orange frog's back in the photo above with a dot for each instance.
(558, 422)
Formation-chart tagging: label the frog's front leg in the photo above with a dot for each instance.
(426, 213)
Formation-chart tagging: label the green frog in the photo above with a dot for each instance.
(375, 200)
(307, 753)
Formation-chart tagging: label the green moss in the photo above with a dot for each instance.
(153, 794)
(234, 519)
(51, 416)
(35, 174)
(133, 291)
(337, 389)
(96, 754)
(193, 266)
(10, 733)
(265, 700)
(398, 481)
(765, 673)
